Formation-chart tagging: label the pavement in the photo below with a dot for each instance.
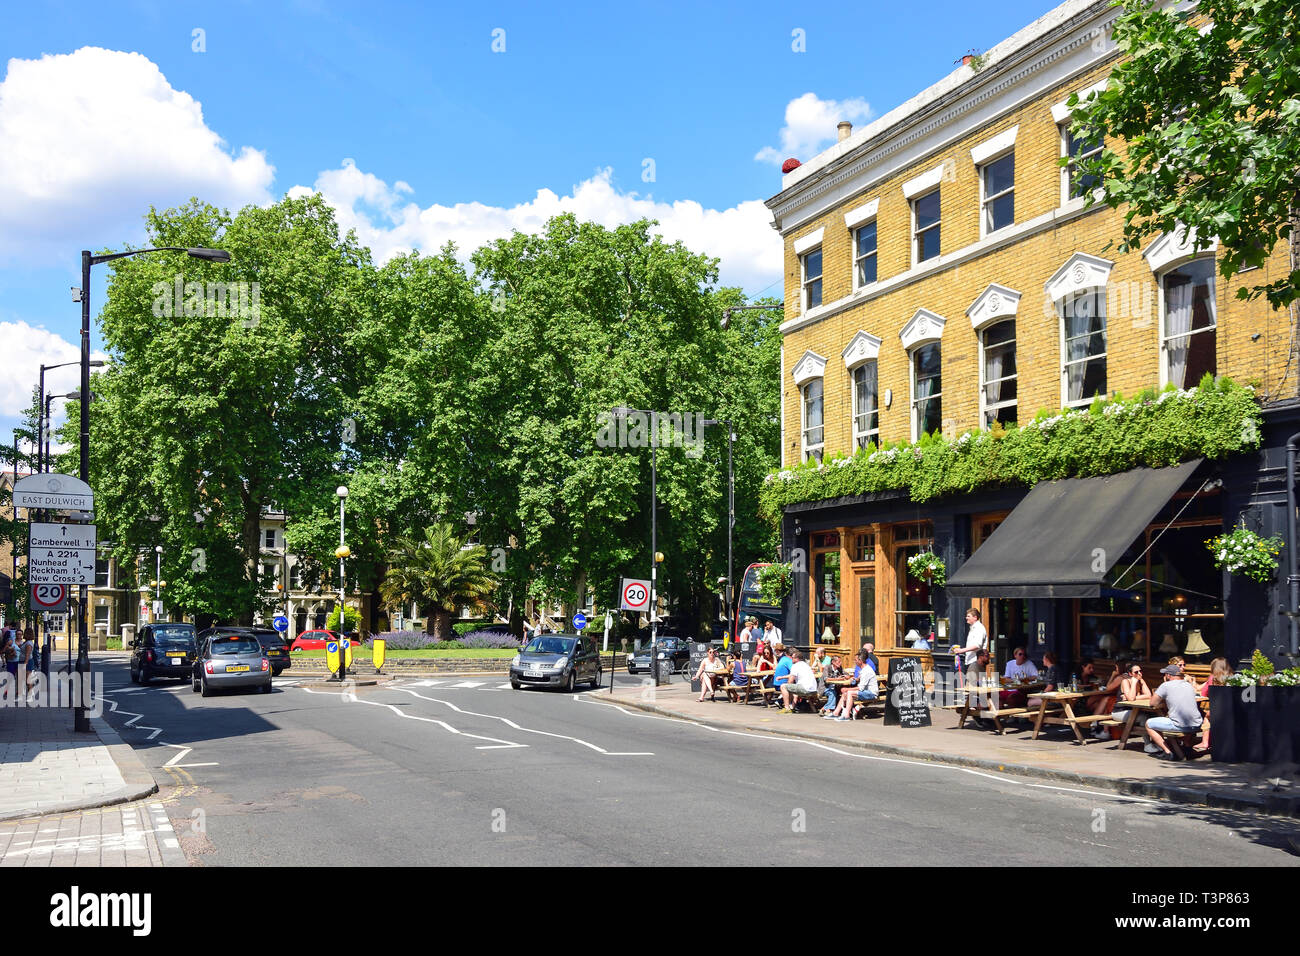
(1055, 756)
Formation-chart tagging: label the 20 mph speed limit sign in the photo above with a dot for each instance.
(634, 595)
(50, 597)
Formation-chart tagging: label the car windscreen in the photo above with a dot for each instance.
(174, 636)
(549, 645)
(235, 644)
(269, 638)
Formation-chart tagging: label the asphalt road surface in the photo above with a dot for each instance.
(466, 771)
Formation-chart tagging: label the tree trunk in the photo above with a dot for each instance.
(251, 544)
(441, 621)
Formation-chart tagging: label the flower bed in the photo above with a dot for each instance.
(1155, 430)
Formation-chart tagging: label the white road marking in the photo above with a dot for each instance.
(426, 683)
(505, 687)
(470, 683)
(510, 723)
(863, 756)
(112, 705)
(497, 744)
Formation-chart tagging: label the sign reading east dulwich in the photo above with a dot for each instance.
(53, 493)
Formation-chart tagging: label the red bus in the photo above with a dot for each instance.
(750, 603)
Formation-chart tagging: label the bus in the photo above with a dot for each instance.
(751, 604)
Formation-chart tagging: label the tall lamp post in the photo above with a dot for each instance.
(623, 412)
(81, 721)
(342, 552)
(43, 412)
(158, 583)
(731, 508)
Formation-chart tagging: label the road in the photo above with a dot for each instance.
(466, 771)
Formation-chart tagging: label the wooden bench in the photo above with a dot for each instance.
(971, 708)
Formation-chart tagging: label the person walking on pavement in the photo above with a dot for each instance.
(27, 656)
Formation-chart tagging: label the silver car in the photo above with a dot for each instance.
(556, 660)
(230, 660)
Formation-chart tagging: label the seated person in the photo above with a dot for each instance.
(868, 651)
(1087, 674)
(868, 689)
(783, 664)
(736, 664)
(802, 683)
(763, 661)
(1132, 687)
(835, 670)
(858, 668)
(1183, 713)
(1050, 676)
(703, 675)
(1020, 667)
(1220, 670)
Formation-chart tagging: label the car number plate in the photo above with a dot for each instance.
(182, 656)
(236, 667)
(535, 671)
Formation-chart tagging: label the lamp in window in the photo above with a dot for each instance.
(1169, 645)
(1108, 644)
(827, 636)
(1139, 640)
(1196, 645)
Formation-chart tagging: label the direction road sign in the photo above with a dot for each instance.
(634, 595)
(49, 535)
(579, 621)
(61, 566)
(280, 623)
(49, 597)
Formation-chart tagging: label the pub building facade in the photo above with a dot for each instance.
(942, 274)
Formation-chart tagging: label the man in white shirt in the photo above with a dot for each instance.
(1020, 667)
(977, 639)
(772, 634)
(802, 683)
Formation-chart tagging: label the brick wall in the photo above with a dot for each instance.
(1253, 342)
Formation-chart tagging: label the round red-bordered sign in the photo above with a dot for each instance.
(49, 597)
(636, 595)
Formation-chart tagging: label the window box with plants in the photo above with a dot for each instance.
(1255, 715)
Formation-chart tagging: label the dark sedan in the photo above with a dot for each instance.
(162, 650)
(674, 650)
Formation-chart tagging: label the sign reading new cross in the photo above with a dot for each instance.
(61, 553)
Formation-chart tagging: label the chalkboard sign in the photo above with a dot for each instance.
(906, 704)
(699, 652)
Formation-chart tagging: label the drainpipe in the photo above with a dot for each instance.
(1293, 562)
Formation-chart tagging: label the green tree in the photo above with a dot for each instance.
(208, 415)
(1210, 130)
(440, 573)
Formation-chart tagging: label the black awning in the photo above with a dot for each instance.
(1065, 536)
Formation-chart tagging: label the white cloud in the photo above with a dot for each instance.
(26, 348)
(92, 138)
(810, 126)
(389, 222)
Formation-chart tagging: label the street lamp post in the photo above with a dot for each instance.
(81, 722)
(655, 557)
(731, 508)
(157, 591)
(341, 553)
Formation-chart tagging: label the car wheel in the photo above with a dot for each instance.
(277, 671)
(194, 683)
(267, 688)
(204, 689)
(516, 685)
(595, 681)
(144, 677)
(570, 682)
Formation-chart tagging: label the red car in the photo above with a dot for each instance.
(312, 640)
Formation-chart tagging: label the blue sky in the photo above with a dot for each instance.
(419, 132)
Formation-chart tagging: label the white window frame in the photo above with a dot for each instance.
(1084, 400)
(1160, 300)
(862, 436)
(937, 224)
(915, 402)
(818, 450)
(268, 538)
(804, 279)
(874, 254)
(986, 201)
(986, 408)
(1068, 169)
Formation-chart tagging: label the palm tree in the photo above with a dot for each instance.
(440, 574)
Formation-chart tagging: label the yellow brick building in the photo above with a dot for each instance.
(943, 272)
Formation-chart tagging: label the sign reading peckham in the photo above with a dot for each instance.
(53, 493)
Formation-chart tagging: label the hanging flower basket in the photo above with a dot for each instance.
(1243, 552)
(774, 583)
(928, 567)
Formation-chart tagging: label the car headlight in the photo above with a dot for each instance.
(662, 655)
(514, 661)
(562, 663)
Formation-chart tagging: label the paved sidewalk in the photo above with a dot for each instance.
(1054, 756)
(133, 834)
(47, 767)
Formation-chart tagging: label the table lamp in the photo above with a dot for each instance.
(1196, 645)
(1107, 644)
(1169, 645)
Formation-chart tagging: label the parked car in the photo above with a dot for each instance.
(162, 649)
(229, 659)
(312, 640)
(677, 650)
(556, 660)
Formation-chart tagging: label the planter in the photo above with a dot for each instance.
(1255, 724)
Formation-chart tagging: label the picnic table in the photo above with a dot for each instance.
(1135, 707)
(1062, 704)
(997, 713)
